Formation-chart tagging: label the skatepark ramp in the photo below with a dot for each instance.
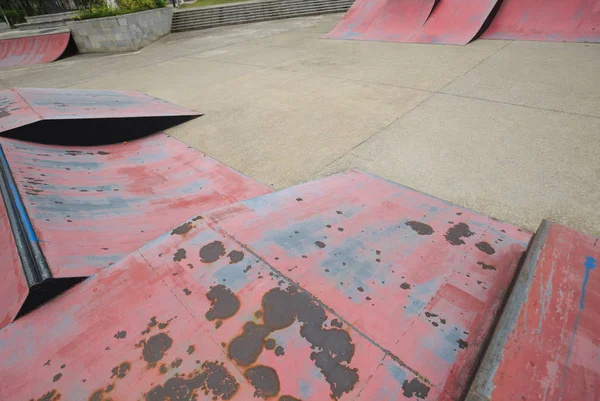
(203, 284)
(84, 117)
(459, 22)
(21, 48)
(253, 11)
(549, 20)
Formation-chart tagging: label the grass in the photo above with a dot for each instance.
(204, 3)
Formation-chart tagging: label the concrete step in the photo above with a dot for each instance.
(204, 25)
(230, 14)
(254, 12)
(253, 16)
(260, 5)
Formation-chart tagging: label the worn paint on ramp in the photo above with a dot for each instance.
(546, 345)
(454, 22)
(30, 50)
(548, 20)
(23, 106)
(383, 20)
(350, 287)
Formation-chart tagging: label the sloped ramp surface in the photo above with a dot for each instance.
(547, 20)
(347, 288)
(383, 20)
(455, 22)
(62, 116)
(27, 49)
(546, 343)
(86, 208)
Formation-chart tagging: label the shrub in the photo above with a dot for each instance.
(125, 7)
(15, 16)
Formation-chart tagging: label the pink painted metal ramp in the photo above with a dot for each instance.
(546, 345)
(346, 288)
(454, 22)
(33, 49)
(84, 209)
(383, 20)
(547, 20)
(62, 116)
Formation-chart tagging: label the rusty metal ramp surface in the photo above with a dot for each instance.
(23, 48)
(348, 288)
(455, 22)
(548, 20)
(83, 209)
(546, 343)
(383, 20)
(66, 115)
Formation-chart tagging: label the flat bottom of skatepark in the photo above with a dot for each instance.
(510, 129)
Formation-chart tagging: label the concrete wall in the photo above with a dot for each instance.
(127, 32)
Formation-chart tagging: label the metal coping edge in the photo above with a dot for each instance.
(480, 387)
(33, 261)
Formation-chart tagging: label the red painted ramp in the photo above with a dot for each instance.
(454, 22)
(383, 20)
(346, 288)
(547, 343)
(23, 106)
(83, 209)
(28, 50)
(547, 20)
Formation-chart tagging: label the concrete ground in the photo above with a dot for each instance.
(511, 129)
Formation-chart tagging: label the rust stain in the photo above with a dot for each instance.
(121, 370)
(264, 379)
(213, 378)
(223, 303)
(420, 228)
(211, 252)
(333, 348)
(457, 232)
(156, 346)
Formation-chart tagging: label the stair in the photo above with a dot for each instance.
(241, 13)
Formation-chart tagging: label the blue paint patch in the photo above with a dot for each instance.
(590, 263)
(305, 389)
(397, 372)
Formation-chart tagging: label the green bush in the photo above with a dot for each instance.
(15, 16)
(125, 7)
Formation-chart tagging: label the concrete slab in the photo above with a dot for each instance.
(514, 163)
(281, 105)
(171, 80)
(257, 54)
(281, 127)
(419, 66)
(548, 75)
